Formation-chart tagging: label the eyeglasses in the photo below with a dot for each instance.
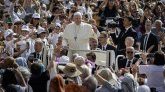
(130, 52)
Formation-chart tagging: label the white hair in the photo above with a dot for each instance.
(130, 48)
(158, 21)
(130, 38)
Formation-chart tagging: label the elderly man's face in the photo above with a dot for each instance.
(130, 53)
(77, 19)
(129, 43)
(158, 25)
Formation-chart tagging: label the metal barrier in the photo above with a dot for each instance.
(116, 61)
(108, 56)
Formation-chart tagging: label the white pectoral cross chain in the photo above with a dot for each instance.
(77, 29)
(75, 38)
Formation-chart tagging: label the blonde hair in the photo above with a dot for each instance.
(134, 3)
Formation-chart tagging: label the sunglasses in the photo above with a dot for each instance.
(129, 52)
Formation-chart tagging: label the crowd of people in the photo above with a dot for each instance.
(37, 35)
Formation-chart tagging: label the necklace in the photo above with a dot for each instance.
(77, 29)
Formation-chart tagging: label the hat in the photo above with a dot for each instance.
(79, 60)
(63, 60)
(108, 75)
(41, 30)
(58, 25)
(25, 28)
(17, 21)
(8, 32)
(78, 14)
(70, 70)
(44, 5)
(36, 16)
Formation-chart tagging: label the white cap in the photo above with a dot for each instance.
(78, 14)
(41, 30)
(36, 15)
(44, 5)
(58, 25)
(63, 60)
(8, 32)
(17, 20)
(25, 28)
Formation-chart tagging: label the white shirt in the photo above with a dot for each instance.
(53, 38)
(9, 47)
(78, 36)
(45, 1)
(31, 43)
(154, 75)
(143, 88)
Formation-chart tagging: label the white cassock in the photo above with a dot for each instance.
(77, 36)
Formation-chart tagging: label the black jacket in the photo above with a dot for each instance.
(120, 41)
(152, 40)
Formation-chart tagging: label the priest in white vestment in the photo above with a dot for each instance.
(77, 33)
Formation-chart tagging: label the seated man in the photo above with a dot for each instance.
(129, 60)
